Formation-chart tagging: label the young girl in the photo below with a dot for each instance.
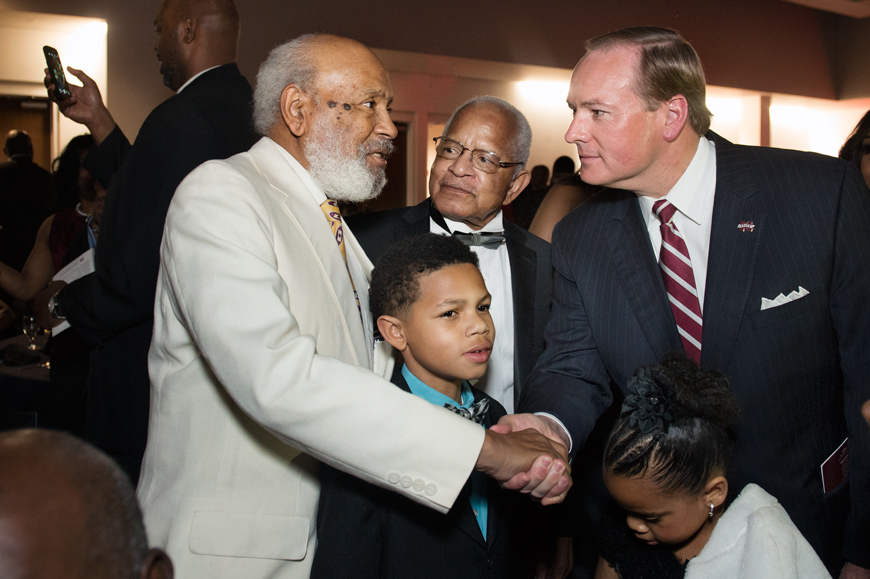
(665, 465)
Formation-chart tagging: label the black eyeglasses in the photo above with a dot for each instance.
(486, 161)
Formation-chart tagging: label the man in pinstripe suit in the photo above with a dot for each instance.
(779, 245)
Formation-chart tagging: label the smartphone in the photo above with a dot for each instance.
(55, 69)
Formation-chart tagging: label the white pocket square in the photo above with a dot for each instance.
(781, 299)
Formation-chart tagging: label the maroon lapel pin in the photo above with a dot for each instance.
(746, 226)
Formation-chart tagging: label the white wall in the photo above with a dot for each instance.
(813, 124)
(81, 43)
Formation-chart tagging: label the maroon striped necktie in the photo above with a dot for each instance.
(679, 280)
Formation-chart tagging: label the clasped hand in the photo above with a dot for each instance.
(520, 457)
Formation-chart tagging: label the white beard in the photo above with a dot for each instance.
(344, 178)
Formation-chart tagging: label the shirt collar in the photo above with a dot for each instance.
(193, 78)
(495, 225)
(302, 173)
(429, 394)
(684, 195)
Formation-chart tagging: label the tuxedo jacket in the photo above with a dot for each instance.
(113, 308)
(781, 220)
(260, 363)
(531, 274)
(368, 533)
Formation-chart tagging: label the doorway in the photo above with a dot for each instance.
(33, 115)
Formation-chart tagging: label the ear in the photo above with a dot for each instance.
(716, 490)
(157, 565)
(517, 185)
(391, 330)
(188, 29)
(294, 106)
(677, 110)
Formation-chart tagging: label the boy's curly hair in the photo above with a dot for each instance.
(395, 284)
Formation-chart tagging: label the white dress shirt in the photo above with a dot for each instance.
(495, 266)
(693, 197)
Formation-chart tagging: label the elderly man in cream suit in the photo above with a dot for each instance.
(263, 342)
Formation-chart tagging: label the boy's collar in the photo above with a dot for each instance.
(429, 394)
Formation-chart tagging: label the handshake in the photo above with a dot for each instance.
(528, 453)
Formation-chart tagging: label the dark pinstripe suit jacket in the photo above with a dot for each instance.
(531, 274)
(794, 368)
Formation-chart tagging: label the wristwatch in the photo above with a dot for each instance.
(54, 308)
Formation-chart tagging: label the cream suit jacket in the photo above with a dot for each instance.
(259, 362)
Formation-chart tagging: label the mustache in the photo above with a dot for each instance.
(383, 146)
(454, 185)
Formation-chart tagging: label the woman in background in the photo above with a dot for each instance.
(61, 238)
(564, 195)
(857, 147)
(82, 196)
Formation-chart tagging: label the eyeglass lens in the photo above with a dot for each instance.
(483, 160)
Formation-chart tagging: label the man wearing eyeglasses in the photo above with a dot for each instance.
(479, 168)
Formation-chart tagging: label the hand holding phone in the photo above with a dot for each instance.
(82, 104)
(55, 70)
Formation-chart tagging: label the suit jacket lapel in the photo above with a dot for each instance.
(636, 266)
(492, 518)
(352, 246)
(524, 282)
(304, 212)
(414, 221)
(467, 522)
(733, 253)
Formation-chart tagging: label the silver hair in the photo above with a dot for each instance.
(289, 63)
(521, 144)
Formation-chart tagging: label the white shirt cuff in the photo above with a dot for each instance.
(562, 426)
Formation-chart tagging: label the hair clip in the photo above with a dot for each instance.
(647, 405)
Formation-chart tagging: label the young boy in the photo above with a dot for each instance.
(432, 305)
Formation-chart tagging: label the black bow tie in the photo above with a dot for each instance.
(490, 240)
(474, 413)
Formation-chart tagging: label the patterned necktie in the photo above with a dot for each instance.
(333, 215)
(679, 280)
(474, 413)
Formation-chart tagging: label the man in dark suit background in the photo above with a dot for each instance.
(480, 167)
(208, 118)
(24, 188)
(777, 246)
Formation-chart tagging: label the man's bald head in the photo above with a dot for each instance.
(217, 15)
(18, 143)
(301, 62)
(194, 35)
(519, 141)
(67, 510)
